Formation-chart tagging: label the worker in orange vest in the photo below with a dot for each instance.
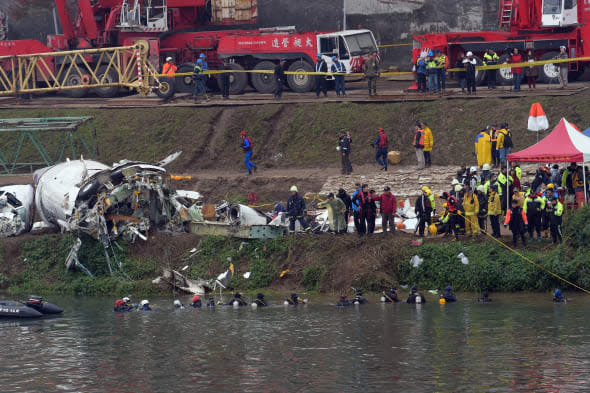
(169, 68)
(419, 144)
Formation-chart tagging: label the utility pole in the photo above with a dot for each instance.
(343, 14)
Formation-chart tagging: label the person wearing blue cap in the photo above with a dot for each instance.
(203, 58)
(199, 80)
(279, 74)
(339, 69)
(448, 295)
(320, 80)
(432, 72)
(558, 296)
(415, 296)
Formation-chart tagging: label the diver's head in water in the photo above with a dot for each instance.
(414, 289)
(260, 296)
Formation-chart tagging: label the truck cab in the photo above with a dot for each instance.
(559, 13)
(351, 47)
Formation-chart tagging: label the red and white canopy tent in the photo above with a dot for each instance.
(564, 144)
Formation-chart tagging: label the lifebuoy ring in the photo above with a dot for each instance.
(85, 79)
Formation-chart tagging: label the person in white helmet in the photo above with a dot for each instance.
(563, 67)
(145, 306)
(470, 64)
(295, 210)
(169, 68)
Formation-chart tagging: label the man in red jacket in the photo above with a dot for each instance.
(516, 57)
(388, 210)
(382, 144)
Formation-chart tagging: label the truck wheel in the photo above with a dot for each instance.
(264, 83)
(166, 89)
(548, 72)
(184, 84)
(301, 83)
(479, 74)
(237, 80)
(109, 77)
(74, 79)
(504, 75)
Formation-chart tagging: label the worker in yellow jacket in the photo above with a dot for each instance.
(428, 144)
(495, 210)
(483, 147)
(471, 208)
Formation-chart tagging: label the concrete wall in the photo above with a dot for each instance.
(392, 21)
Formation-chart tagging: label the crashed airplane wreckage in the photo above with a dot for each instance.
(17, 210)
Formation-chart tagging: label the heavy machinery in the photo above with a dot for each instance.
(538, 25)
(182, 29)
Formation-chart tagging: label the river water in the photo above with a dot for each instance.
(515, 343)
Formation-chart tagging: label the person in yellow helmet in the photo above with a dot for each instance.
(423, 209)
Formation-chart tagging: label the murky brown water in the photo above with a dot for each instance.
(516, 343)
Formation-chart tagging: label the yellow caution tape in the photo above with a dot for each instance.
(393, 45)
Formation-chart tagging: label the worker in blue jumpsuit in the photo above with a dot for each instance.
(247, 147)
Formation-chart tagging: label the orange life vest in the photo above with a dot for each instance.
(169, 69)
(420, 141)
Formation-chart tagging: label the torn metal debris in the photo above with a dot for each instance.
(16, 210)
(177, 280)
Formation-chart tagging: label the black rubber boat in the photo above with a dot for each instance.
(34, 307)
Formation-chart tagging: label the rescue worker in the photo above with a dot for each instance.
(485, 297)
(486, 173)
(415, 296)
(421, 74)
(533, 208)
(471, 208)
(423, 209)
(339, 69)
(295, 210)
(556, 219)
(336, 210)
(371, 70)
(203, 59)
(320, 80)
(388, 210)
(364, 209)
(355, 208)
(390, 296)
(493, 139)
(280, 78)
(494, 210)
(199, 80)
(470, 63)
(178, 305)
(547, 194)
(294, 300)
(224, 78)
(491, 58)
(247, 146)
(237, 301)
(563, 67)
(358, 298)
(515, 58)
(516, 220)
(344, 197)
(558, 297)
(578, 186)
(196, 302)
(371, 212)
(343, 302)
(531, 73)
(169, 68)
(482, 214)
(211, 303)
(382, 145)
(432, 72)
(120, 306)
(428, 144)
(344, 146)
(483, 147)
(448, 295)
(460, 75)
(260, 301)
(419, 145)
(145, 306)
(504, 183)
(442, 63)
(452, 207)
(442, 223)
(127, 303)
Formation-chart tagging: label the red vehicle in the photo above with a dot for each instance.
(169, 29)
(538, 25)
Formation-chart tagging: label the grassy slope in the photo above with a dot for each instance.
(303, 135)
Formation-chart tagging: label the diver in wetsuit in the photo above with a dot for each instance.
(237, 300)
(343, 302)
(145, 306)
(415, 296)
(449, 296)
(196, 303)
(211, 303)
(293, 300)
(390, 296)
(558, 297)
(178, 305)
(127, 304)
(259, 301)
(485, 298)
(359, 299)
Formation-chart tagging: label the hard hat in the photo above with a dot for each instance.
(562, 46)
(454, 182)
(177, 303)
(380, 129)
(294, 189)
(458, 187)
(169, 58)
(444, 205)
(473, 169)
(196, 298)
(432, 229)
(333, 58)
(470, 53)
(199, 61)
(202, 56)
(144, 302)
(243, 132)
(481, 188)
(557, 292)
(119, 303)
(487, 167)
(318, 55)
(431, 53)
(426, 189)
(550, 185)
(126, 299)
